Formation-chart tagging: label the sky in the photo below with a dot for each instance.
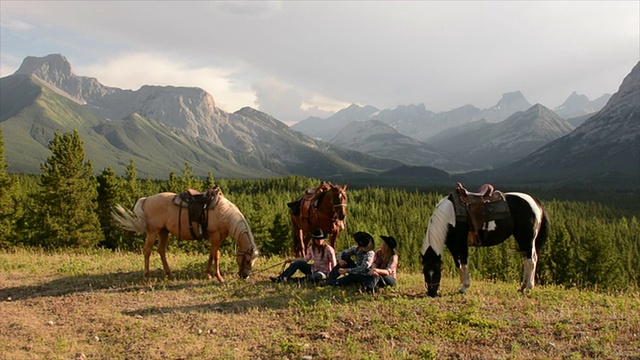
(295, 59)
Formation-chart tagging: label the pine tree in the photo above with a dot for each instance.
(66, 216)
(188, 180)
(109, 194)
(210, 182)
(10, 206)
(279, 241)
(132, 191)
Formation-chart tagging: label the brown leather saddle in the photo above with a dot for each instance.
(197, 205)
(479, 208)
(309, 200)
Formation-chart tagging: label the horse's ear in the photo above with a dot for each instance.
(344, 187)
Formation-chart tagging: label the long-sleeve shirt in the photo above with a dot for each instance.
(321, 263)
(390, 266)
(364, 259)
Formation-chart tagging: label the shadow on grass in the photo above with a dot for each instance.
(114, 282)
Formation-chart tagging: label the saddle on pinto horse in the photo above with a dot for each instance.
(308, 199)
(479, 208)
(197, 205)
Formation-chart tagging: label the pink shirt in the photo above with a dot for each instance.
(321, 263)
(392, 265)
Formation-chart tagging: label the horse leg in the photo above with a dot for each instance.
(529, 273)
(332, 240)
(214, 255)
(465, 278)
(148, 247)
(162, 250)
(298, 239)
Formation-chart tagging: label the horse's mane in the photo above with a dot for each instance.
(436, 235)
(229, 213)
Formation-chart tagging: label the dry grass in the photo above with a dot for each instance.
(96, 306)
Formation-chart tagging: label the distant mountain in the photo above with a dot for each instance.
(413, 120)
(381, 140)
(509, 104)
(579, 105)
(406, 119)
(494, 144)
(325, 129)
(161, 128)
(602, 152)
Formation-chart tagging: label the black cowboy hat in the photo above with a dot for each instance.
(363, 239)
(318, 234)
(390, 241)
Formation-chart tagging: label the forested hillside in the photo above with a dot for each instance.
(591, 245)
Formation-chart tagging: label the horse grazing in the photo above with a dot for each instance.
(164, 213)
(484, 218)
(324, 207)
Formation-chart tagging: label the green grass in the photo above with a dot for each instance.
(57, 305)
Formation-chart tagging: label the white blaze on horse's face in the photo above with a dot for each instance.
(245, 260)
(442, 219)
(339, 201)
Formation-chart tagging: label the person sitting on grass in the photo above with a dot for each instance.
(383, 272)
(323, 256)
(355, 271)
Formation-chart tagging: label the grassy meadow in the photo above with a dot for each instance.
(95, 305)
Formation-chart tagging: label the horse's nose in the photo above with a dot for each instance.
(432, 291)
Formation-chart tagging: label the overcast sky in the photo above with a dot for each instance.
(295, 59)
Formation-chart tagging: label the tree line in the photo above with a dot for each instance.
(591, 244)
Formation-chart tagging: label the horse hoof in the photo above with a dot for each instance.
(462, 291)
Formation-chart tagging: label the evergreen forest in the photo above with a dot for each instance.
(594, 240)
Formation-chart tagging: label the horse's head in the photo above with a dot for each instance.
(440, 224)
(246, 259)
(432, 271)
(338, 198)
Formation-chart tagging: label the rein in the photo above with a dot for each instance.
(283, 263)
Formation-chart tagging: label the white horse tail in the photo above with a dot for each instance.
(133, 221)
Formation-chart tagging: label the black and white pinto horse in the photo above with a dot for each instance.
(528, 223)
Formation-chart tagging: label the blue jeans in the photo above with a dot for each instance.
(305, 268)
(334, 279)
(374, 282)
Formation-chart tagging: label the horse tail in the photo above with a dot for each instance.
(133, 221)
(543, 233)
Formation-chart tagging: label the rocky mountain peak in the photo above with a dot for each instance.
(51, 68)
(579, 105)
(512, 100)
(55, 70)
(621, 115)
(509, 104)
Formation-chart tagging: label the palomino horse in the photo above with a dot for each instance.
(158, 215)
(324, 207)
(525, 219)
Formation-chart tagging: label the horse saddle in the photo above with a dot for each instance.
(197, 204)
(479, 208)
(308, 200)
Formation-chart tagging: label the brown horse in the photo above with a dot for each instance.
(324, 207)
(158, 215)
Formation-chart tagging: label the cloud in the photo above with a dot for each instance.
(250, 9)
(293, 59)
(290, 104)
(15, 25)
(133, 70)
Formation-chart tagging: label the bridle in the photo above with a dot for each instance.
(341, 204)
(244, 262)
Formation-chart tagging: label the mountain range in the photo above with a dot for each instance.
(163, 128)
